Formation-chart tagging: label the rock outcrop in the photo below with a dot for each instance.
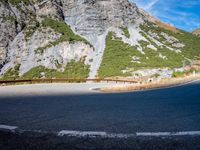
(96, 16)
(93, 19)
(8, 29)
(196, 31)
(26, 42)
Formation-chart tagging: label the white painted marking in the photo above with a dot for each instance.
(184, 133)
(152, 134)
(187, 133)
(121, 135)
(81, 133)
(8, 127)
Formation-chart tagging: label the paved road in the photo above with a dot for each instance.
(162, 110)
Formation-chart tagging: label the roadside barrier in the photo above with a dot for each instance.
(65, 80)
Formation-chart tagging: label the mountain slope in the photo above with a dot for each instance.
(196, 31)
(93, 20)
(41, 40)
(109, 38)
(159, 49)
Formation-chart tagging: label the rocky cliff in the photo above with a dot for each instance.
(34, 34)
(110, 37)
(93, 19)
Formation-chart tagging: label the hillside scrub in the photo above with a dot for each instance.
(191, 42)
(16, 2)
(118, 58)
(74, 69)
(66, 33)
(125, 31)
(184, 73)
(11, 74)
(121, 53)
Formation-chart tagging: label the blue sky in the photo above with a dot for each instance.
(184, 14)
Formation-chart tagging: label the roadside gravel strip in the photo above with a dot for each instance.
(165, 83)
(85, 88)
(53, 89)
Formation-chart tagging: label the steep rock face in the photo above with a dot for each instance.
(8, 30)
(93, 19)
(23, 51)
(48, 8)
(96, 16)
(27, 42)
(12, 21)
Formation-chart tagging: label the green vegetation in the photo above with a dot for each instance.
(40, 50)
(172, 60)
(74, 69)
(183, 73)
(12, 73)
(30, 29)
(156, 75)
(118, 56)
(38, 72)
(191, 42)
(16, 2)
(9, 18)
(66, 33)
(126, 32)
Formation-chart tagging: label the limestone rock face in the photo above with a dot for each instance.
(96, 16)
(48, 8)
(8, 30)
(26, 42)
(12, 21)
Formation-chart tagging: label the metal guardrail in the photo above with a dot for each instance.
(63, 81)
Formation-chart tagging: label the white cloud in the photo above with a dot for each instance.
(150, 4)
(183, 14)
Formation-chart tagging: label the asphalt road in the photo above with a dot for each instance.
(175, 109)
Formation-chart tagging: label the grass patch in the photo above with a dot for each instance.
(12, 73)
(16, 2)
(30, 29)
(184, 73)
(125, 31)
(66, 33)
(74, 69)
(156, 75)
(9, 18)
(118, 56)
(172, 60)
(191, 42)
